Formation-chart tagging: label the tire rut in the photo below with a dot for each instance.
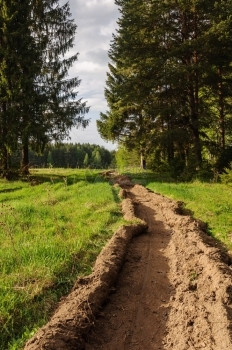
(136, 312)
(174, 290)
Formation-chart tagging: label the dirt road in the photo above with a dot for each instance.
(175, 288)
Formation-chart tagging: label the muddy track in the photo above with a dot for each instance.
(159, 285)
(175, 289)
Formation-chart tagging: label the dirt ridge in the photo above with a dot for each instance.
(170, 286)
(178, 295)
(76, 313)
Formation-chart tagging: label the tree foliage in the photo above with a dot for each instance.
(169, 83)
(38, 100)
(69, 155)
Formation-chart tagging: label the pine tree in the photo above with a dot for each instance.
(165, 58)
(128, 87)
(38, 100)
(17, 68)
(57, 92)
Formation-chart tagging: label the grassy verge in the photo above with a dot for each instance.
(210, 202)
(52, 227)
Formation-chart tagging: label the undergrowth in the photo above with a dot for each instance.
(53, 224)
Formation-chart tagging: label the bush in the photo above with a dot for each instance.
(226, 176)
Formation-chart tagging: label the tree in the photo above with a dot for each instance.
(38, 101)
(96, 158)
(86, 160)
(61, 110)
(163, 60)
(17, 66)
(125, 158)
(219, 73)
(128, 87)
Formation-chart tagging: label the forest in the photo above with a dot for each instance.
(168, 89)
(69, 155)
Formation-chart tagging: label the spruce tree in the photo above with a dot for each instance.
(166, 76)
(38, 100)
(59, 109)
(18, 64)
(128, 87)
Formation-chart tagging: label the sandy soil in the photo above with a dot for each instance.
(175, 289)
(159, 285)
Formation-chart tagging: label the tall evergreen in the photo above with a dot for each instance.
(57, 92)
(167, 74)
(128, 87)
(16, 71)
(38, 100)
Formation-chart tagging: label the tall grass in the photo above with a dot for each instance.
(52, 226)
(210, 202)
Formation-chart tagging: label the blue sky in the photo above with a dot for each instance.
(96, 21)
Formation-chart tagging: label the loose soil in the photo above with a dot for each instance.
(171, 286)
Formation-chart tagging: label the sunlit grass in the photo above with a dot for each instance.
(52, 227)
(209, 202)
(212, 203)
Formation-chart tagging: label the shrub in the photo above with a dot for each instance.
(226, 176)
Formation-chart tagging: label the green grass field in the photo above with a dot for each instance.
(52, 227)
(209, 202)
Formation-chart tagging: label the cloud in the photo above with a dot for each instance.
(89, 135)
(96, 21)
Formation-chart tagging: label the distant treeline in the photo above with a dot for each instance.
(69, 155)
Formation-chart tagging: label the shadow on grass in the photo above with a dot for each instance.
(87, 175)
(115, 193)
(8, 190)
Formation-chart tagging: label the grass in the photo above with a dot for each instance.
(52, 226)
(209, 202)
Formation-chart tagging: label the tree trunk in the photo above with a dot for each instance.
(143, 164)
(191, 61)
(5, 167)
(170, 143)
(221, 111)
(4, 151)
(25, 158)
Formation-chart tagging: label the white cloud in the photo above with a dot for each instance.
(96, 21)
(89, 67)
(89, 135)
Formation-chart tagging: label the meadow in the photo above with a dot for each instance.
(53, 224)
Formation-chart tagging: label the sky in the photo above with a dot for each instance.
(96, 21)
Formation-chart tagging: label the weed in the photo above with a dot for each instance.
(193, 275)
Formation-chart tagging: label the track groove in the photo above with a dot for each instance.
(174, 291)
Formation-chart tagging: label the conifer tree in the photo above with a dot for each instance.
(20, 60)
(57, 92)
(38, 100)
(165, 59)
